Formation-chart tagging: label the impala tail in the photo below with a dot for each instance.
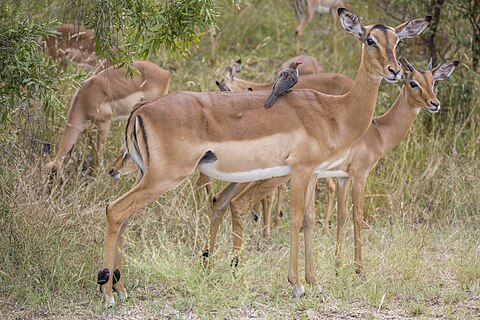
(135, 137)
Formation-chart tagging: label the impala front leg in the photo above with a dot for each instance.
(342, 209)
(299, 185)
(309, 228)
(357, 199)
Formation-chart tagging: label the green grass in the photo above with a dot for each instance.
(422, 253)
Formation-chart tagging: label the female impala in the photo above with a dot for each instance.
(230, 136)
(108, 95)
(383, 135)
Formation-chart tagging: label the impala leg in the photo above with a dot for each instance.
(122, 209)
(70, 136)
(240, 204)
(220, 205)
(204, 183)
(267, 214)
(278, 211)
(304, 20)
(299, 185)
(103, 128)
(342, 210)
(118, 286)
(331, 186)
(309, 232)
(357, 200)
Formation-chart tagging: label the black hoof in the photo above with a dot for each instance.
(103, 276)
(234, 262)
(205, 254)
(116, 276)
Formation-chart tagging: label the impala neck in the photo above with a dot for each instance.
(361, 99)
(397, 121)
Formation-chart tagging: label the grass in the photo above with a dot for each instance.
(422, 253)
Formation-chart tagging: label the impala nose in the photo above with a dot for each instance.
(434, 106)
(393, 72)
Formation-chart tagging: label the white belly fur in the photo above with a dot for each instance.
(245, 176)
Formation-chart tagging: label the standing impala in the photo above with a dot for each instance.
(108, 95)
(384, 134)
(231, 137)
(305, 10)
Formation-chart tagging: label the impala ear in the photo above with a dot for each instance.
(413, 27)
(237, 67)
(445, 70)
(430, 64)
(351, 23)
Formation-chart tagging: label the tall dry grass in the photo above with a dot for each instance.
(422, 252)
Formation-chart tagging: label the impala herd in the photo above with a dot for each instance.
(324, 128)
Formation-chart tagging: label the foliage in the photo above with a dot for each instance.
(421, 250)
(24, 76)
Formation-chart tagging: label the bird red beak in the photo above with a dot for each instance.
(299, 62)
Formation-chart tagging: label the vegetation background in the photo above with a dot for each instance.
(422, 251)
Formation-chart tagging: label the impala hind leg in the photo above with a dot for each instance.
(118, 213)
(331, 186)
(220, 205)
(278, 209)
(240, 205)
(97, 151)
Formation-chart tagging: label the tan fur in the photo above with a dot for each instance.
(310, 65)
(329, 83)
(74, 44)
(104, 97)
(384, 134)
(170, 135)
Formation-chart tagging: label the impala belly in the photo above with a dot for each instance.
(245, 161)
(325, 167)
(122, 107)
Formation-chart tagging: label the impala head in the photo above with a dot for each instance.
(231, 72)
(380, 42)
(123, 165)
(419, 84)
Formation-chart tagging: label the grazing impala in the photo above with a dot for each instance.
(384, 134)
(74, 44)
(108, 95)
(231, 137)
(305, 10)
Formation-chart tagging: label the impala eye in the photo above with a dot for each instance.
(413, 85)
(370, 42)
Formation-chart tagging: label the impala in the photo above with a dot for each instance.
(231, 137)
(310, 65)
(329, 83)
(305, 10)
(108, 95)
(384, 134)
(73, 43)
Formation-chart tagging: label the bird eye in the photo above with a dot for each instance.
(413, 85)
(370, 42)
